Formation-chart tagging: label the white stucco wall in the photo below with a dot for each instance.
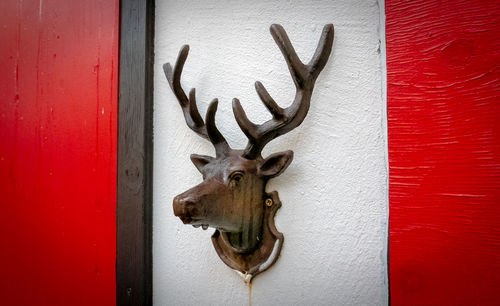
(334, 214)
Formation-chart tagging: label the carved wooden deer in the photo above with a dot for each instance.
(232, 197)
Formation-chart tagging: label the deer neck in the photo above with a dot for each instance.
(250, 236)
(264, 254)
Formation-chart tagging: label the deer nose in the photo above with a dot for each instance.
(184, 208)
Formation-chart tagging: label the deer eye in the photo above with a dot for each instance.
(235, 178)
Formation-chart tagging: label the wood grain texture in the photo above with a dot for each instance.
(444, 151)
(58, 106)
(135, 154)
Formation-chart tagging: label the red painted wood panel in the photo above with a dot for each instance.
(443, 79)
(58, 106)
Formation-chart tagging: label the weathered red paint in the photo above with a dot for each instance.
(58, 106)
(443, 79)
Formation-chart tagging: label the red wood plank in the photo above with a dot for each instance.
(58, 106)
(444, 151)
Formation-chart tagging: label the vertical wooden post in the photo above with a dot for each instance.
(135, 154)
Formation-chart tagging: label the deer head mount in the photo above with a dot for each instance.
(232, 197)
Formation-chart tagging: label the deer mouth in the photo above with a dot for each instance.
(187, 217)
(187, 214)
(203, 226)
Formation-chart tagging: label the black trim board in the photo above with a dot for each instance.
(135, 154)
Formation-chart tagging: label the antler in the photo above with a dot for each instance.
(304, 76)
(191, 114)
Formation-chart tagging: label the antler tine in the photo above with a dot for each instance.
(295, 65)
(304, 77)
(214, 135)
(268, 101)
(323, 51)
(189, 108)
(192, 116)
(247, 126)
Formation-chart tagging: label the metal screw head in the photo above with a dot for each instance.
(269, 202)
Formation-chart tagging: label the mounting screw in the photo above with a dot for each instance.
(269, 202)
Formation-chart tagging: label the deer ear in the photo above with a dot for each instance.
(275, 164)
(200, 161)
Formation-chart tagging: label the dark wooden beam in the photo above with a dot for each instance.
(135, 154)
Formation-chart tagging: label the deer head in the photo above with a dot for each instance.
(232, 197)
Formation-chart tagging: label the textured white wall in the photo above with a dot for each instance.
(334, 215)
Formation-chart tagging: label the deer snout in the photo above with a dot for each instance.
(184, 208)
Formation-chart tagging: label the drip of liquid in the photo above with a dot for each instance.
(250, 293)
